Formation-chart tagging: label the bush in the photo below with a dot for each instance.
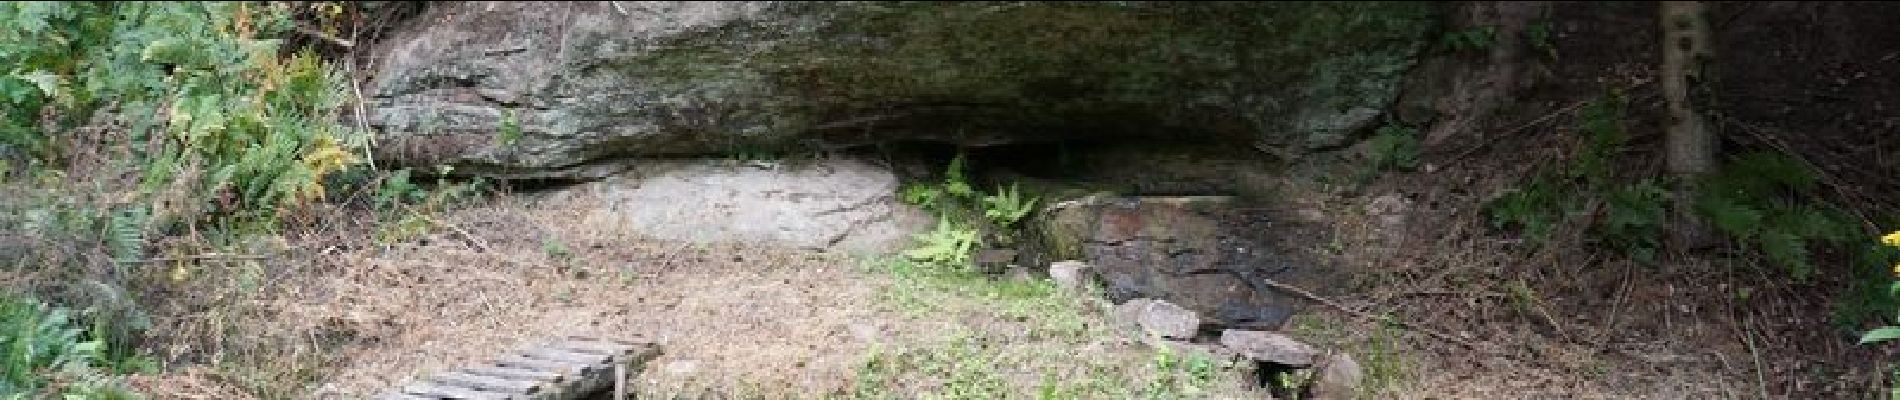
(198, 90)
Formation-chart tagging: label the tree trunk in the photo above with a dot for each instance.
(1690, 142)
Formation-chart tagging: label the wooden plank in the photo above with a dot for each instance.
(431, 389)
(488, 383)
(592, 347)
(564, 368)
(567, 368)
(606, 341)
(569, 357)
(519, 374)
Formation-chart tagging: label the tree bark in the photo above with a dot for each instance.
(1691, 145)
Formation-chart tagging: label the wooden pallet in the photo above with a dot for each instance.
(570, 368)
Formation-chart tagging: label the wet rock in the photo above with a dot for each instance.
(1071, 275)
(1269, 347)
(1338, 378)
(1204, 253)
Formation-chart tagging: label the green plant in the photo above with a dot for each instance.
(1535, 208)
(1394, 147)
(125, 235)
(948, 245)
(1634, 215)
(197, 85)
(1007, 206)
(41, 345)
(1179, 376)
(1755, 201)
(1633, 218)
(510, 131)
(948, 196)
(967, 218)
(1887, 333)
(966, 365)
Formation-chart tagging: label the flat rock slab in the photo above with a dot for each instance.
(568, 368)
(830, 204)
(1269, 347)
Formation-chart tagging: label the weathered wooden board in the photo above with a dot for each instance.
(564, 369)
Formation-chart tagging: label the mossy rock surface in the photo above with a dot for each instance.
(576, 82)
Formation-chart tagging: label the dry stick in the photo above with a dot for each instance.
(1361, 314)
(206, 256)
(362, 119)
(1573, 107)
(458, 230)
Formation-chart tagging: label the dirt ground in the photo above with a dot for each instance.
(1528, 322)
(759, 322)
(733, 321)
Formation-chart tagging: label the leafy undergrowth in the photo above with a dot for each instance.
(1546, 257)
(50, 354)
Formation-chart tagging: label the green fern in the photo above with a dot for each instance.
(125, 235)
(1788, 250)
(949, 245)
(1536, 208)
(1734, 219)
(1633, 219)
(41, 344)
(1007, 206)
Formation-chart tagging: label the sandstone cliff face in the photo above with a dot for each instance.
(512, 89)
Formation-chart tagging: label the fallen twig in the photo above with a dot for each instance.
(205, 256)
(1573, 107)
(479, 245)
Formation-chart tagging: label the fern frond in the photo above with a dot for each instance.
(125, 236)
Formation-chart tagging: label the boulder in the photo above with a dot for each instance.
(1207, 254)
(829, 204)
(538, 88)
(1269, 347)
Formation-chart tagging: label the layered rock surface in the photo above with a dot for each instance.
(537, 88)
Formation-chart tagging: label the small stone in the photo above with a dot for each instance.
(1167, 320)
(1338, 379)
(1071, 275)
(1269, 347)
